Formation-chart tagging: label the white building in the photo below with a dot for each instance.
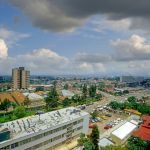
(120, 135)
(44, 132)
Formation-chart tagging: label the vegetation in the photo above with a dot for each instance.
(94, 137)
(90, 142)
(52, 99)
(39, 89)
(5, 105)
(66, 86)
(131, 103)
(20, 112)
(27, 102)
(138, 144)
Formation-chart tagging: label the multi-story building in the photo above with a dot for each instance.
(20, 78)
(46, 131)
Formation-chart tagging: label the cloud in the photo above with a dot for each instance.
(92, 58)
(134, 48)
(3, 49)
(11, 37)
(66, 15)
(103, 25)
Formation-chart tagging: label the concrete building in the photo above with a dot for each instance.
(20, 78)
(120, 135)
(47, 131)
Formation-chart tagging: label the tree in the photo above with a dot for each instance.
(131, 99)
(20, 112)
(5, 105)
(88, 145)
(94, 137)
(66, 86)
(94, 114)
(92, 91)
(39, 88)
(66, 102)
(84, 91)
(52, 99)
(85, 142)
(114, 105)
(27, 101)
(137, 143)
(82, 139)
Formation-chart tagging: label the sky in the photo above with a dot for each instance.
(62, 37)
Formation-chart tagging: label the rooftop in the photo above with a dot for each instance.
(32, 124)
(123, 131)
(144, 131)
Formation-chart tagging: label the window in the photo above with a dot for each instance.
(14, 145)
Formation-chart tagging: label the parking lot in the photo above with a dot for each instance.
(107, 120)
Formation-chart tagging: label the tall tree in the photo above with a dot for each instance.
(27, 101)
(84, 90)
(94, 137)
(5, 105)
(52, 99)
(20, 112)
(92, 91)
(66, 86)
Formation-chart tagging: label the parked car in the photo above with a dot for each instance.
(104, 117)
(108, 126)
(108, 115)
(91, 126)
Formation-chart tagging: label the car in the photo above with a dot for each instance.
(91, 126)
(92, 120)
(82, 107)
(108, 126)
(104, 117)
(108, 115)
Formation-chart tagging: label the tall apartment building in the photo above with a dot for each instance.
(47, 131)
(20, 78)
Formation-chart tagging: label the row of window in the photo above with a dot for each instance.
(50, 140)
(42, 135)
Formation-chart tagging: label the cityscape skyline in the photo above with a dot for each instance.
(65, 41)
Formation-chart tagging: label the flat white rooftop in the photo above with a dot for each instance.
(123, 131)
(32, 124)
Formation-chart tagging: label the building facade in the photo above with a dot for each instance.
(44, 132)
(20, 78)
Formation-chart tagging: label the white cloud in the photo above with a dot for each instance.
(11, 37)
(3, 49)
(134, 48)
(113, 25)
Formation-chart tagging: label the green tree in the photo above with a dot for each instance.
(27, 101)
(94, 114)
(84, 91)
(39, 88)
(66, 102)
(94, 137)
(5, 104)
(114, 105)
(132, 99)
(92, 91)
(66, 86)
(88, 145)
(135, 143)
(20, 112)
(52, 99)
(85, 142)
(82, 139)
